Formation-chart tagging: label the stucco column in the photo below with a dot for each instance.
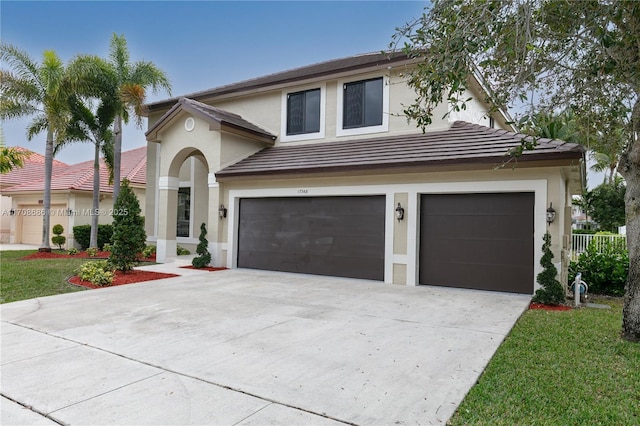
(167, 218)
(214, 220)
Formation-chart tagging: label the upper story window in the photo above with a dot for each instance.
(363, 107)
(303, 114)
(362, 103)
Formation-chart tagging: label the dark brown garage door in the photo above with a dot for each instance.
(337, 236)
(479, 241)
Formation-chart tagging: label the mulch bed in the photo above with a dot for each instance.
(206, 268)
(131, 277)
(550, 307)
(79, 255)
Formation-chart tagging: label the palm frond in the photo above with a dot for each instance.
(119, 56)
(19, 61)
(147, 74)
(133, 97)
(38, 125)
(15, 87)
(9, 109)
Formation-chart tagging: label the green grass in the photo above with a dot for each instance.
(26, 279)
(559, 368)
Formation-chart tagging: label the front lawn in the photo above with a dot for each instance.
(559, 368)
(26, 279)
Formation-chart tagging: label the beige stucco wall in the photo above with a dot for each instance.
(80, 203)
(5, 218)
(550, 181)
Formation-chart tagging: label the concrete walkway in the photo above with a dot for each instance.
(12, 247)
(248, 347)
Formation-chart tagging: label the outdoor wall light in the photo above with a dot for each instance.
(551, 213)
(222, 211)
(399, 212)
(12, 212)
(69, 212)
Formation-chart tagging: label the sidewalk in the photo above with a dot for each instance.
(12, 247)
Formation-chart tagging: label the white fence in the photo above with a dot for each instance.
(580, 242)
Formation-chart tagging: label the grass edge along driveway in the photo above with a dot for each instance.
(555, 368)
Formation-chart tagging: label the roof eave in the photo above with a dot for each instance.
(570, 157)
(237, 88)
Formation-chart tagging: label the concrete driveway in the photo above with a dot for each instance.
(249, 347)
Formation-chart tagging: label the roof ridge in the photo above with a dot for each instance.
(390, 55)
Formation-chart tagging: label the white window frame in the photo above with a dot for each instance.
(384, 127)
(283, 117)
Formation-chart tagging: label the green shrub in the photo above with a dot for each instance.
(82, 234)
(551, 292)
(72, 251)
(128, 230)
(583, 231)
(58, 239)
(604, 272)
(149, 251)
(97, 273)
(92, 251)
(106, 247)
(181, 251)
(204, 257)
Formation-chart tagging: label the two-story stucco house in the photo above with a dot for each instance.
(316, 170)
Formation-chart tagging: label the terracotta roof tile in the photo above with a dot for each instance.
(463, 143)
(33, 169)
(80, 176)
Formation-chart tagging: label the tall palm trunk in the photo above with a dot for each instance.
(48, 168)
(93, 240)
(117, 153)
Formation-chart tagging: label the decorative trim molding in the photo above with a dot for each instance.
(211, 180)
(168, 183)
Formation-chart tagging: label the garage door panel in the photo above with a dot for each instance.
(482, 241)
(339, 236)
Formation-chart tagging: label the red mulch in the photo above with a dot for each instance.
(130, 277)
(206, 268)
(550, 307)
(79, 255)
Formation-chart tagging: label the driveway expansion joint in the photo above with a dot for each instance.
(163, 369)
(30, 408)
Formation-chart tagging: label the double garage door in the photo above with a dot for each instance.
(338, 236)
(480, 241)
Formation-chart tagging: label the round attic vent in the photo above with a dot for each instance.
(189, 124)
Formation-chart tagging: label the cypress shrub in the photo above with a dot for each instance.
(129, 237)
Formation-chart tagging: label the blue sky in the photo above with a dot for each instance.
(199, 44)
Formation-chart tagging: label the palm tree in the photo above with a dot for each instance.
(10, 158)
(132, 81)
(87, 126)
(38, 90)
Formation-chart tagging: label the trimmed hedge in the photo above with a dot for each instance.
(82, 235)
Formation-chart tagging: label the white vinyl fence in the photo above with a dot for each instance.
(580, 242)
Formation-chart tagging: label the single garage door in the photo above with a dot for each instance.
(337, 236)
(31, 217)
(478, 241)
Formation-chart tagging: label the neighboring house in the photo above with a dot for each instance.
(71, 195)
(32, 170)
(315, 170)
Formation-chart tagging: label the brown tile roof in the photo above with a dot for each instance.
(216, 118)
(79, 176)
(333, 66)
(463, 143)
(33, 169)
